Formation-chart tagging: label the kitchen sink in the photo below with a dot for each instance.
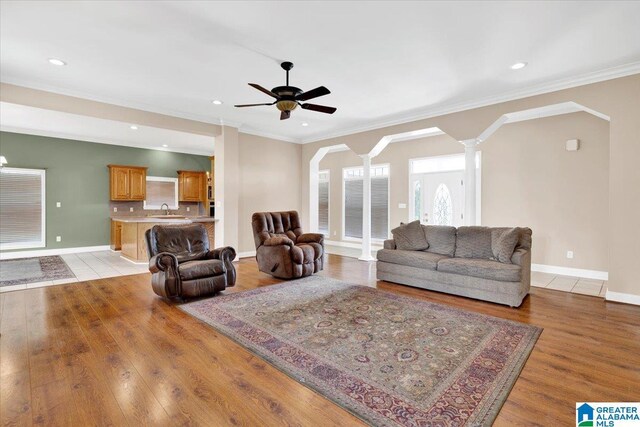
(167, 216)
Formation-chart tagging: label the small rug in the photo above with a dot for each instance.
(31, 270)
(388, 359)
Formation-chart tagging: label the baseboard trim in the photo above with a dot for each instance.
(352, 245)
(622, 297)
(49, 252)
(248, 254)
(567, 271)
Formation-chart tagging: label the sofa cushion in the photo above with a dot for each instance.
(198, 269)
(418, 259)
(483, 268)
(410, 237)
(474, 242)
(441, 239)
(503, 243)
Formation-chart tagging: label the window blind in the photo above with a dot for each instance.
(323, 207)
(22, 208)
(353, 189)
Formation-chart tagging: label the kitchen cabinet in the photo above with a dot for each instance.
(127, 183)
(192, 186)
(116, 235)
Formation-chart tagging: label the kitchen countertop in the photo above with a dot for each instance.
(188, 220)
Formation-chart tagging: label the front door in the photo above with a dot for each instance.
(438, 198)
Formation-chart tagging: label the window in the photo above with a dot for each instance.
(323, 202)
(442, 206)
(353, 187)
(22, 208)
(161, 190)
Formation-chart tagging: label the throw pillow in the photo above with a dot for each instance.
(503, 243)
(410, 237)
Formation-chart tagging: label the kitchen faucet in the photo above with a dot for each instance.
(166, 211)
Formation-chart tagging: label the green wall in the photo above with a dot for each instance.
(78, 177)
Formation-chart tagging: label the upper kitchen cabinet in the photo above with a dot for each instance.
(127, 182)
(192, 186)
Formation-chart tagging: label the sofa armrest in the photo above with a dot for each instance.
(162, 261)
(389, 244)
(521, 256)
(311, 238)
(278, 241)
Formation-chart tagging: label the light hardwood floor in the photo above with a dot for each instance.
(110, 352)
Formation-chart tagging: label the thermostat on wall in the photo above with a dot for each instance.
(573, 144)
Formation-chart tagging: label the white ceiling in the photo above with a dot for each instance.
(385, 62)
(38, 121)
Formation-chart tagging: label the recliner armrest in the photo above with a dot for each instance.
(162, 261)
(226, 254)
(311, 238)
(278, 241)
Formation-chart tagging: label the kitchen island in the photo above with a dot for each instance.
(127, 233)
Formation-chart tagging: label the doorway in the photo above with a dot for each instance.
(436, 187)
(439, 198)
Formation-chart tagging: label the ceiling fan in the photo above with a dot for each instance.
(289, 97)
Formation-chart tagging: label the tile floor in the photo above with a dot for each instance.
(574, 285)
(89, 266)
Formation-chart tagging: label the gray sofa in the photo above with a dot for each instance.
(461, 262)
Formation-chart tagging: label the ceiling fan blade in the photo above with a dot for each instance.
(319, 108)
(254, 105)
(313, 93)
(261, 89)
(285, 115)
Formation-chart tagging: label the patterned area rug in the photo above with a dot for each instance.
(388, 359)
(31, 270)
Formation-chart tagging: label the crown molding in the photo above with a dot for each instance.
(557, 85)
(107, 141)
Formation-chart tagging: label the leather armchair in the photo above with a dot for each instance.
(282, 249)
(182, 265)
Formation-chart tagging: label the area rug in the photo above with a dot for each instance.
(32, 270)
(388, 359)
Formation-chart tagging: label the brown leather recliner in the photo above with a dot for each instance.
(182, 265)
(282, 250)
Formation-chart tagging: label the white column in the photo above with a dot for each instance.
(470, 148)
(366, 209)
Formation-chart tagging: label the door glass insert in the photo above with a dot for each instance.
(442, 206)
(417, 200)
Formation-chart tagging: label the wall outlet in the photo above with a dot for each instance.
(402, 206)
(58, 204)
(188, 209)
(570, 254)
(130, 209)
(115, 209)
(335, 233)
(58, 238)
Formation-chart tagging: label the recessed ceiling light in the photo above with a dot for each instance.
(56, 61)
(133, 127)
(216, 102)
(518, 65)
(305, 124)
(165, 145)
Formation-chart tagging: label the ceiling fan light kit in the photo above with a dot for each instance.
(288, 98)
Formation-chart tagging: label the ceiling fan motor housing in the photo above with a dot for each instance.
(287, 97)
